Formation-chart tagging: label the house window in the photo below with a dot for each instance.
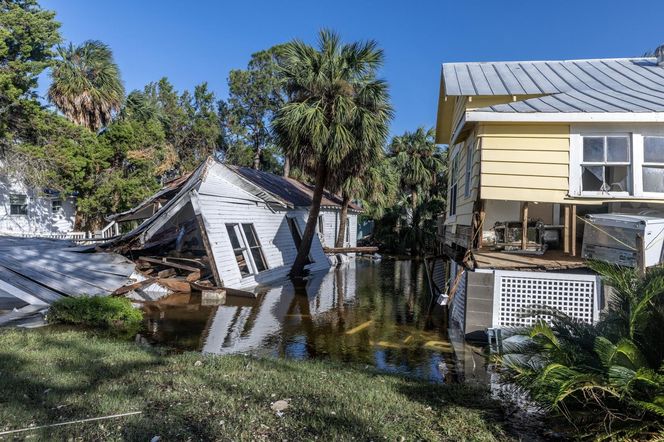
(254, 247)
(56, 207)
(239, 248)
(18, 204)
(606, 164)
(469, 170)
(653, 164)
(321, 228)
(348, 230)
(453, 187)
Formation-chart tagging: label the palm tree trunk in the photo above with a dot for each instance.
(297, 270)
(343, 221)
(414, 222)
(257, 159)
(286, 166)
(413, 204)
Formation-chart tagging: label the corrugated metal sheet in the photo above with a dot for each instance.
(600, 85)
(39, 271)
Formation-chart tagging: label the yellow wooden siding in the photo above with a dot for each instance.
(526, 162)
(464, 204)
(554, 170)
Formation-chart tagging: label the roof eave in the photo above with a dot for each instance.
(565, 117)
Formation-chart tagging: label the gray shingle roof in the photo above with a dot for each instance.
(600, 85)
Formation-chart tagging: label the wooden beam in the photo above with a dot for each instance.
(163, 262)
(350, 249)
(481, 227)
(573, 234)
(208, 250)
(566, 229)
(137, 285)
(524, 225)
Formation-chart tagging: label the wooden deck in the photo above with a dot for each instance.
(550, 260)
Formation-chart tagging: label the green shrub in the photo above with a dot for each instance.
(96, 311)
(606, 378)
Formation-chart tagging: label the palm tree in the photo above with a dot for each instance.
(86, 85)
(376, 186)
(419, 162)
(337, 108)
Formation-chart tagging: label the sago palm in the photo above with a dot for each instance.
(608, 378)
(338, 109)
(86, 85)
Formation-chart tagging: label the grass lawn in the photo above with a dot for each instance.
(51, 375)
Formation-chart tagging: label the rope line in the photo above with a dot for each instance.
(607, 233)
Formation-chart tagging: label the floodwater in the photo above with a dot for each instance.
(377, 313)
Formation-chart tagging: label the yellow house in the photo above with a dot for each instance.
(535, 146)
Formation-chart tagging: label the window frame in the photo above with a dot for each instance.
(245, 249)
(469, 171)
(59, 210)
(321, 225)
(643, 164)
(604, 164)
(24, 205)
(453, 184)
(637, 133)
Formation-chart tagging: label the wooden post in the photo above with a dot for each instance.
(482, 217)
(524, 225)
(640, 255)
(566, 229)
(573, 234)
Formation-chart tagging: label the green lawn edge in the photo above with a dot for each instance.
(52, 374)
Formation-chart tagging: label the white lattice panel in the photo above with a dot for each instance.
(516, 294)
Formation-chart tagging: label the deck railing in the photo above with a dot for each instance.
(111, 231)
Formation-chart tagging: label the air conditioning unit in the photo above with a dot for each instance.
(611, 237)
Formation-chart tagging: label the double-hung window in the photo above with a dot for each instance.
(652, 171)
(18, 204)
(469, 170)
(247, 248)
(453, 186)
(56, 207)
(606, 164)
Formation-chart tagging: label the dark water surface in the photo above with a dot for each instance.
(367, 312)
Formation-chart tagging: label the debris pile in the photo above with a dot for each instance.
(158, 276)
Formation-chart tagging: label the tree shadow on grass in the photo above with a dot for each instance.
(224, 398)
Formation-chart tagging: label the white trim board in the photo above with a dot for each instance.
(566, 117)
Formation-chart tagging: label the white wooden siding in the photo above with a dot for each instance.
(331, 227)
(40, 218)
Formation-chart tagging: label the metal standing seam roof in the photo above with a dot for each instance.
(289, 190)
(598, 85)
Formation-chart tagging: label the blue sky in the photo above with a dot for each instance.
(195, 41)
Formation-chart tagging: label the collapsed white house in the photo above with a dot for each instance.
(242, 225)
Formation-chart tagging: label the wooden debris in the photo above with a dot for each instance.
(137, 285)
(350, 249)
(177, 285)
(165, 263)
(194, 276)
(240, 293)
(166, 273)
(215, 296)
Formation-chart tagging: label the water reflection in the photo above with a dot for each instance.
(376, 313)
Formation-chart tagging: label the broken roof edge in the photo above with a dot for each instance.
(194, 179)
